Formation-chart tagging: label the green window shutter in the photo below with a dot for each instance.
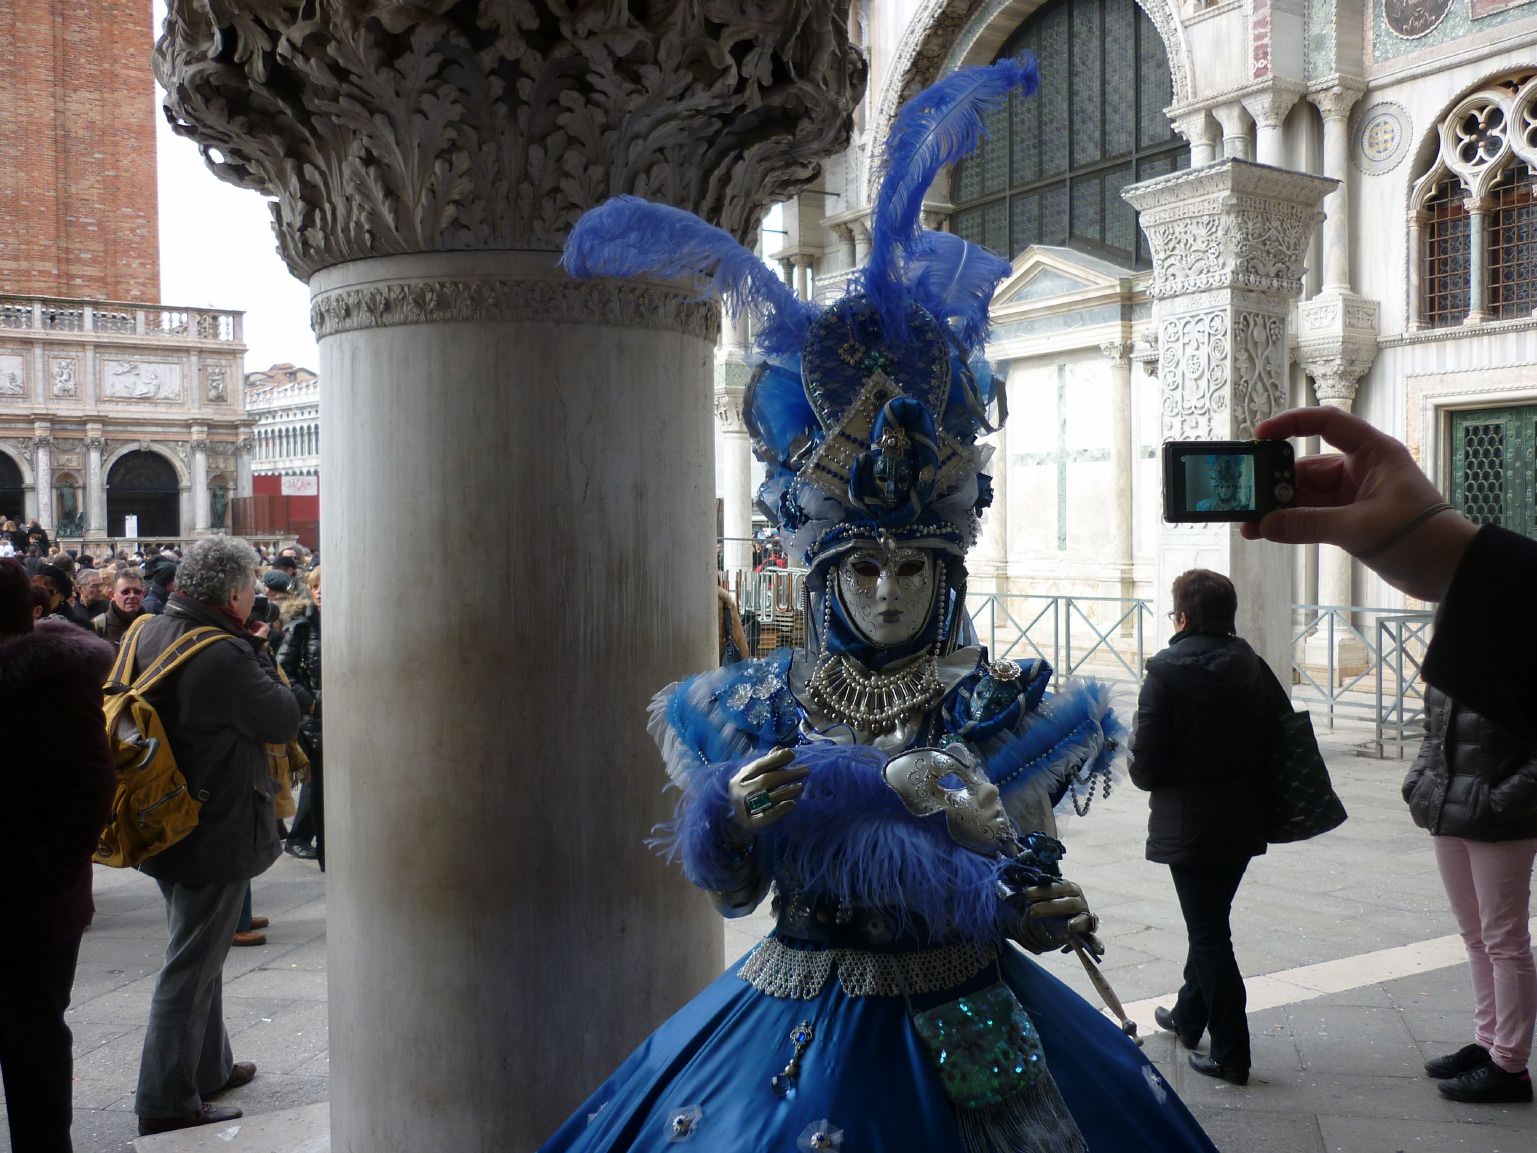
(1494, 467)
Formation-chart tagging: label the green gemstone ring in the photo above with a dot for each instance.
(759, 802)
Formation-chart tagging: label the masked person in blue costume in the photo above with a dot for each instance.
(891, 785)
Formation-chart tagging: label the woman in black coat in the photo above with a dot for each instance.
(300, 661)
(1206, 720)
(1474, 787)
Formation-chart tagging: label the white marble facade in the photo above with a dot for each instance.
(109, 410)
(283, 403)
(1388, 101)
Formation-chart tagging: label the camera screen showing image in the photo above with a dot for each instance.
(1226, 480)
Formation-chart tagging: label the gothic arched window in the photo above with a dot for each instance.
(1473, 223)
(1054, 164)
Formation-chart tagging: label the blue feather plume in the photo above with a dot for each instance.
(628, 236)
(954, 280)
(939, 126)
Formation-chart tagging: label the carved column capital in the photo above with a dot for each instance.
(1269, 106)
(1336, 101)
(94, 443)
(199, 446)
(728, 410)
(1118, 351)
(389, 128)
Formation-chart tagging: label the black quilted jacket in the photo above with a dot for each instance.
(1472, 778)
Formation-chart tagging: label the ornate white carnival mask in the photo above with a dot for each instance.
(887, 594)
(951, 781)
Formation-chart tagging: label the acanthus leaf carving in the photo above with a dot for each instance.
(386, 128)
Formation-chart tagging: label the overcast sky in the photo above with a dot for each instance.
(217, 250)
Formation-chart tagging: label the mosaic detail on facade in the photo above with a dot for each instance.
(1459, 19)
(1382, 136)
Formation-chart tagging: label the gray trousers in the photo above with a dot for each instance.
(186, 1050)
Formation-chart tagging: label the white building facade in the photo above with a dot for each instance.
(1401, 236)
(283, 405)
(121, 421)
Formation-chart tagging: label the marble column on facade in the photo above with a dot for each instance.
(1228, 242)
(731, 376)
(42, 473)
(1200, 132)
(1334, 104)
(1268, 108)
(1235, 130)
(245, 447)
(861, 242)
(201, 511)
(1123, 460)
(95, 483)
(499, 934)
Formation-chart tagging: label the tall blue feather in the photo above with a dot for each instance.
(954, 280)
(939, 126)
(628, 236)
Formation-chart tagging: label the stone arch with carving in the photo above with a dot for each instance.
(978, 28)
(183, 476)
(23, 465)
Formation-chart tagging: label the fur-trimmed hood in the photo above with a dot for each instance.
(53, 650)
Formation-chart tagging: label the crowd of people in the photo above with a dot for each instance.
(66, 620)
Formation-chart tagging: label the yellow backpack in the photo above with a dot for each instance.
(152, 808)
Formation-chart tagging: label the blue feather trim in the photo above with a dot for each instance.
(954, 280)
(628, 236)
(1074, 736)
(939, 126)
(849, 839)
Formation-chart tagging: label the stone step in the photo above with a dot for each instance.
(303, 1130)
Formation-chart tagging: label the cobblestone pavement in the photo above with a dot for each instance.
(1354, 978)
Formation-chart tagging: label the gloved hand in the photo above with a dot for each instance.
(1053, 916)
(763, 791)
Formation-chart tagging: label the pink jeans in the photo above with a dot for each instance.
(1490, 886)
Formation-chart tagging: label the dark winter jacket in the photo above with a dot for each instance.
(300, 658)
(219, 711)
(1472, 778)
(1206, 719)
(112, 624)
(58, 780)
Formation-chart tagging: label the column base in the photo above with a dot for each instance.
(1350, 657)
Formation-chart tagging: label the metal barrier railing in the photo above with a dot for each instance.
(1351, 661)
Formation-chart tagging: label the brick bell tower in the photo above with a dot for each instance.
(78, 213)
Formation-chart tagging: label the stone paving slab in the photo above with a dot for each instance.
(1354, 973)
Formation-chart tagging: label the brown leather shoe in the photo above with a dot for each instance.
(240, 1074)
(207, 1115)
(259, 922)
(250, 937)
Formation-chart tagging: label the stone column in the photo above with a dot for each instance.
(1335, 104)
(731, 376)
(861, 242)
(1123, 458)
(1228, 243)
(42, 473)
(1200, 132)
(244, 447)
(202, 514)
(1235, 130)
(1478, 223)
(1268, 108)
(499, 934)
(95, 483)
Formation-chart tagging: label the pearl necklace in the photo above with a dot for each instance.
(873, 702)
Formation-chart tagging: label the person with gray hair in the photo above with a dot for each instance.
(220, 711)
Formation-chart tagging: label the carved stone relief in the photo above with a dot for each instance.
(13, 375)
(549, 301)
(1259, 369)
(1193, 374)
(62, 369)
(140, 380)
(393, 128)
(217, 383)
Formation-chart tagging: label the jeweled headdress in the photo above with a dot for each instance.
(866, 412)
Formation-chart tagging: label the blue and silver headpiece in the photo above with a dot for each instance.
(866, 413)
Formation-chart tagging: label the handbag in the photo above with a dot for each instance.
(1300, 801)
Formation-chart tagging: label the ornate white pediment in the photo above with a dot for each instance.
(1051, 275)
